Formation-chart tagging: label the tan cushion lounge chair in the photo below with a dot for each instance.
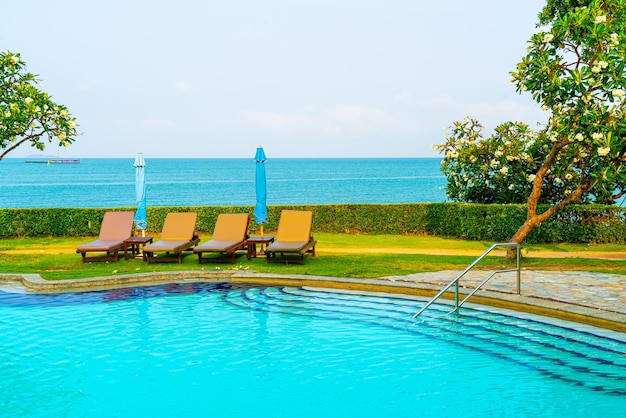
(293, 236)
(177, 236)
(229, 235)
(115, 228)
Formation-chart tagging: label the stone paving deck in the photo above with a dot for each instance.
(593, 290)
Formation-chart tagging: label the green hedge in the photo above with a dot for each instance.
(576, 224)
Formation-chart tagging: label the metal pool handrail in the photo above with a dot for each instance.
(455, 282)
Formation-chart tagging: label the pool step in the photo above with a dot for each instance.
(554, 351)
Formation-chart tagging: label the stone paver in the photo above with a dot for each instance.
(593, 290)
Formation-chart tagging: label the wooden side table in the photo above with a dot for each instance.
(252, 242)
(134, 244)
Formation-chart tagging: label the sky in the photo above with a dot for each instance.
(302, 78)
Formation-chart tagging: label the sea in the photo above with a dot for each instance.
(110, 182)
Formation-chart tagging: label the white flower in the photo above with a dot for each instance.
(531, 178)
(579, 137)
(600, 19)
(511, 186)
(548, 37)
(504, 171)
(28, 100)
(596, 69)
(619, 93)
(498, 153)
(596, 136)
(558, 180)
(15, 59)
(604, 151)
(614, 39)
(603, 64)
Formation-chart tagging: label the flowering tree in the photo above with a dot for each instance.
(28, 114)
(498, 169)
(574, 69)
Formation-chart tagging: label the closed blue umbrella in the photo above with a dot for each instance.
(141, 220)
(260, 210)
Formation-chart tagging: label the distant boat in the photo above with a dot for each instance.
(54, 161)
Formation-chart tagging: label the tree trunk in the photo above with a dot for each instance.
(534, 219)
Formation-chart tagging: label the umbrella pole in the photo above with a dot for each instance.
(262, 246)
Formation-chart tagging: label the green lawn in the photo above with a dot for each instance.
(340, 255)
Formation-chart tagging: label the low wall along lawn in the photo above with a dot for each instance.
(576, 224)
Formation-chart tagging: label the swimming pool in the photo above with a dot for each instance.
(198, 349)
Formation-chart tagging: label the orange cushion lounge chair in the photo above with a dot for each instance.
(229, 235)
(293, 236)
(178, 235)
(115, 228)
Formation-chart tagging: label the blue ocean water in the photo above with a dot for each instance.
(110, 183)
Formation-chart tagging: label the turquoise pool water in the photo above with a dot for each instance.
(212, 350)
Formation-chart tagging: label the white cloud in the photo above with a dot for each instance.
(403, 97)
(182, 87)
(157, 123)
(505, 110)
(329, 121)
(281, 122)
(439, 100)
(359, 116)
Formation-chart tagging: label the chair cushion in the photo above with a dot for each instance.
(179, 226)
(288, 246)
(231, 227)
(175, 246)
(294, 226)
(217, 246)
(100, 245)
(116, 226)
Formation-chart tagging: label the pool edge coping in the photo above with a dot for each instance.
(614, 321)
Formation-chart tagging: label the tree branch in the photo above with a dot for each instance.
(17, 144)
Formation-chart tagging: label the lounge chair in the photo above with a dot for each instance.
(229, 235)
(115, 228)
(293, 237)
(177, 236)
